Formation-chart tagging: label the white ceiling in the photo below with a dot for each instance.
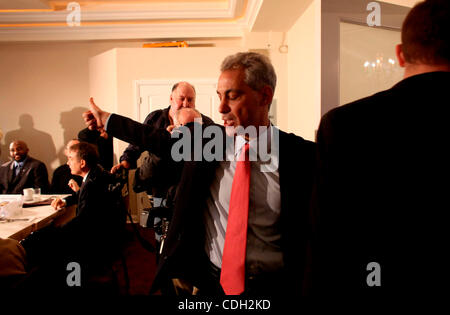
(33, 20)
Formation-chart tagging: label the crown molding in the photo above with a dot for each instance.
(133, 25)
(252, 12)
(115, 15)
(179, 30)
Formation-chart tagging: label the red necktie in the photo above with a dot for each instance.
(232, 276)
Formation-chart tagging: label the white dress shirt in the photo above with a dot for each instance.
(263, 236)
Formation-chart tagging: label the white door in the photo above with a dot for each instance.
(154, 94)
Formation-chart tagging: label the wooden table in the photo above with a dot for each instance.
(38, 217)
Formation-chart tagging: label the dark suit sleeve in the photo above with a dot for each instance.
(327, 166)
(326, 209)
(206, 120)
(72, 199)
(156, 140)
(133, 152)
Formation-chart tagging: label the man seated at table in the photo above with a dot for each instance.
(91, 239)
(22, 171)
(98, 219)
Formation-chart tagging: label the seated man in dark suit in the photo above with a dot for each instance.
(63, 181)
(93, 238)
(381, 197)
(100, 217)
(22, 172)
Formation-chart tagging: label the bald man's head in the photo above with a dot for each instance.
(186, 115)
(18, 150)
(183, 95)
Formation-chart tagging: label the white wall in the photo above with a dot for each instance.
(304, 73)
(103, 79)
(43, 91)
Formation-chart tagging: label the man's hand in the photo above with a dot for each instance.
(58, 204)
(117, 167)
(170, 128)
(73, 185)
(95, 118)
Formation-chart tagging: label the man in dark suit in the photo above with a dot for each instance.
(274, 259)
(92, 239)
(380, 198)
(22, 171)
(97, 218)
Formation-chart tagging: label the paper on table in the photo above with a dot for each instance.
(45, 202)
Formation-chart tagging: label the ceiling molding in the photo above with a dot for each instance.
(60, 16)
(233, 21)
(252, 11)
(124, 32)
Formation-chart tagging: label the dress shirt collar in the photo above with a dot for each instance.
(240, 141)
(85, 176)
(21, 163)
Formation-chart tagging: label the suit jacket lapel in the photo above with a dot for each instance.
(81, 192)
(79, 197)
(10, 173)
(15, 180)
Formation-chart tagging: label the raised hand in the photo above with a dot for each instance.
(95, 118)
(73, 185)
(170, 128)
